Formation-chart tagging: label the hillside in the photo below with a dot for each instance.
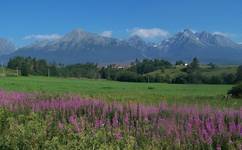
(205, 70)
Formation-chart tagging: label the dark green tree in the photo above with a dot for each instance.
(239, 74)
(194, 66)
(25, 69)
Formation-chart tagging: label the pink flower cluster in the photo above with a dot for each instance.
(181, 124)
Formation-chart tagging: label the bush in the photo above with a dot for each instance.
(236, 91)
(194, 78)
(216, 80)
(229, 78)
(181, 79)
(127, 76)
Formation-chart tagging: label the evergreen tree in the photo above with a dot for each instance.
(193, 66)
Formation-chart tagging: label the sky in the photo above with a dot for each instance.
(26, 20)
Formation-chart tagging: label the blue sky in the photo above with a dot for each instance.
(23, 20)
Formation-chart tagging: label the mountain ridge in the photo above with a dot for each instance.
(79, 46)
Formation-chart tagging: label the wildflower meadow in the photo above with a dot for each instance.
(29, 121)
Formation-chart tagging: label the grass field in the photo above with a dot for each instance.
(124, 92)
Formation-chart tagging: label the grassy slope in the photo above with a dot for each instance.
(174, 72)
(219, 71)
(110, 90)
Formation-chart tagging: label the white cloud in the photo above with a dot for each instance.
(150, 33)
(194, 31)
(42, 37)
(233, 36)
(107, 33)
(222, 33)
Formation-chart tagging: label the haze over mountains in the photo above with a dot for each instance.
(6, 47)
(80, 47)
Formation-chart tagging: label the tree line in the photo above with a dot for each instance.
(137, 71)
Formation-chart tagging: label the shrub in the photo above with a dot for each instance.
(236, 91)
(216, 80)
(229, 78)
(127, 76)
(181, 79)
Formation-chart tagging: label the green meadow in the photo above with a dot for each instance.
(148, 93)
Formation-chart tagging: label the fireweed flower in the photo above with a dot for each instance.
(240, 131)
(73, 121)
(126, 119)
(177, 123)
(218, 147)
(206, 138)
(115, 122)
(117, 135)
(99, 123)
(60, 125)
(209, 127)
(232, 128)
(189, 128)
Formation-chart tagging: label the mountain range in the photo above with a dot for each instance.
(80, 47)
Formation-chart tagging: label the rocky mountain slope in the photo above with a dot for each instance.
(79, 47)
